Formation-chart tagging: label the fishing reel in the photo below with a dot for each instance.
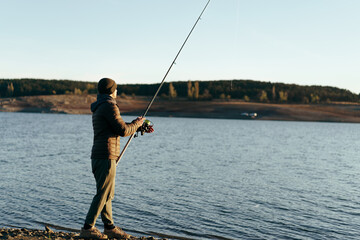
(147, 127)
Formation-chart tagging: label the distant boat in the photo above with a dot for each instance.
(248, 115)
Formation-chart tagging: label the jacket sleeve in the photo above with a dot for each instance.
(120, 127)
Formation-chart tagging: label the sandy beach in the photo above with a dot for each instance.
(231, 109)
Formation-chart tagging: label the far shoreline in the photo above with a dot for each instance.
(216, 109)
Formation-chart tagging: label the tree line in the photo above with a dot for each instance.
(247, 90)
(33, 87)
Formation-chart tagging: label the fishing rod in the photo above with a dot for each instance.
(163, 80)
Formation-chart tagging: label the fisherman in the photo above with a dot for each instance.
(108, 128)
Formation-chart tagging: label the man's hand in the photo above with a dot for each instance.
(140, 120)
(146, 126)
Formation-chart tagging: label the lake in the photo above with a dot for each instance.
(191, 179)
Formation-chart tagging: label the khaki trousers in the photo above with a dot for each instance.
(104, 172)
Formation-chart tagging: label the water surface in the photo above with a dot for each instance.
(192, 178)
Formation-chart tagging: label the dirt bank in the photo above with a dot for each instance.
(234, 109)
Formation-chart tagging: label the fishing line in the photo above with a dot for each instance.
(163, 80)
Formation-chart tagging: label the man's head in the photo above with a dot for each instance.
(106, 86)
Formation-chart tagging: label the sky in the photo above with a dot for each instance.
(306, 42)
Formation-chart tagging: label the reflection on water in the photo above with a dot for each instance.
(192, 178)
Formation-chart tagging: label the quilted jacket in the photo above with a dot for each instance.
(108, 128)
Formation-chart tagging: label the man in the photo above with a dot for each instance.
(108, 127)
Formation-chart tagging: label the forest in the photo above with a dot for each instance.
(247, 90)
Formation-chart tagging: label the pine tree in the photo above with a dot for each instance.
(189, 90)
(263, 96)
(10, 90)
(283, 96)
(172, 91)
(196, 90)
(273, 93)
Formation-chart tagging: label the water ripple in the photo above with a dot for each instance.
(237, 180)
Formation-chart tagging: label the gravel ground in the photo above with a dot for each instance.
(30, 234)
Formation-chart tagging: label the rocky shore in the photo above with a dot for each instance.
(226, 109)
(29, 234)
(14, 233)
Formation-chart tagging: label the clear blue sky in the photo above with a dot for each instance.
(307, 42)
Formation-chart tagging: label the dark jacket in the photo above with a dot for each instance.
(108, 127)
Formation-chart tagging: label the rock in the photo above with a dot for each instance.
(48, 230)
